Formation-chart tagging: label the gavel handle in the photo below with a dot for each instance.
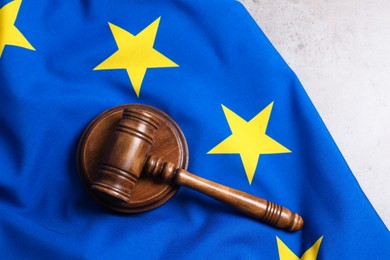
(253, 206)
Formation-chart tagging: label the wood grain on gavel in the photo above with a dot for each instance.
(128, 155)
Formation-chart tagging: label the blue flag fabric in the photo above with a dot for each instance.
(248, 122)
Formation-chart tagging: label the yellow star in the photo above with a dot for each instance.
(286, 254)
(249, 139)
(136, 54)
(9, 34)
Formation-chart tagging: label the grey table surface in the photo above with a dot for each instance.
(340, 51)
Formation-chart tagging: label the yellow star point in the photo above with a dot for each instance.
(249, 139)
(9, 34)
(136, 54)
(286, 254)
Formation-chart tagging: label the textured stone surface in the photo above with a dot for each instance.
(340, 51)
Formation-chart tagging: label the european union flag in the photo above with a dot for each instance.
(248, 122)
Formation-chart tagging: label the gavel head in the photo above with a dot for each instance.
(125, 156)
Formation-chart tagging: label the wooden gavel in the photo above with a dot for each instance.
(128, 155)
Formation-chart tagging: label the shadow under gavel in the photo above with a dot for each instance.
(128, 155)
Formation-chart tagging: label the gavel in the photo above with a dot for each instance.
(128, 156)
